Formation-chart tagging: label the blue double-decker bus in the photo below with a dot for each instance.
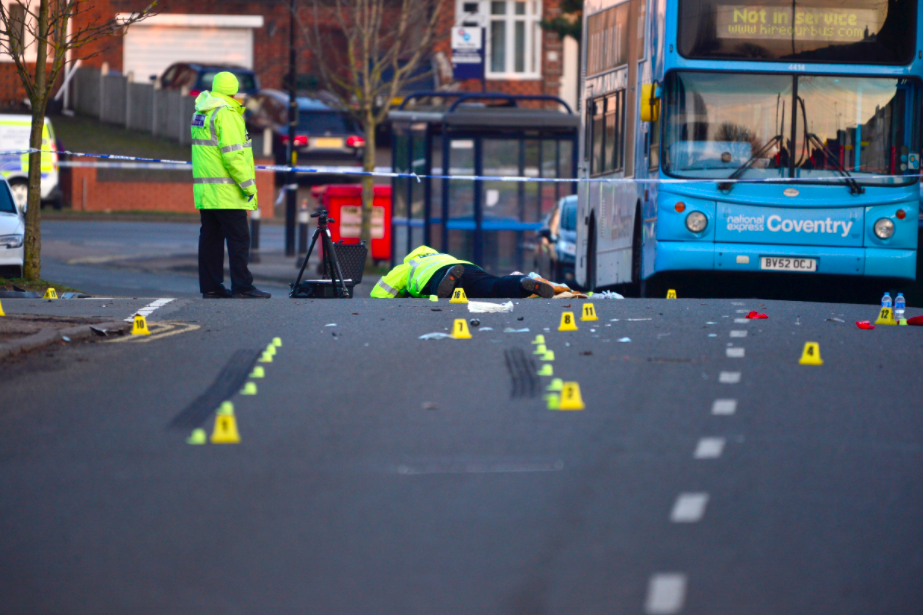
(752, 136)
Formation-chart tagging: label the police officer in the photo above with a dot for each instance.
(224, 185)
(427, 272)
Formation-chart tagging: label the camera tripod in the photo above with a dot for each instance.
(329, 263)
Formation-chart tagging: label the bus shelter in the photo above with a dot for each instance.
(491, 222)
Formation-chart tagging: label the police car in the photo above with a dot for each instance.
(14, 136)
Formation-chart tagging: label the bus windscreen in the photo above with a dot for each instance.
(826, 31)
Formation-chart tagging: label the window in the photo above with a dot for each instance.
(17, 20)
(607, 133)
(653, 137)
(514, 39)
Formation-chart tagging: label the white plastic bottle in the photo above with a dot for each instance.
(900, 306)
(886, 300)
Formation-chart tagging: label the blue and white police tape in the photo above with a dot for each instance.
(132, 163)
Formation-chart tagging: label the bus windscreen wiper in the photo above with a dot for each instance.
(854, 187)
(726, 186)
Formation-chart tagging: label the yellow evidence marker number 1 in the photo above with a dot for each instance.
(811, 354)
(458, 296)
(567, 322)
(140, 326)
(460, 330)
(589, 312)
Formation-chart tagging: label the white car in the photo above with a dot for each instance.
(12, 231)
(14, 136)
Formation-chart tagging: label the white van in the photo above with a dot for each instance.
(14, 136)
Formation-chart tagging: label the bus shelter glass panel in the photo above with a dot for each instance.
(400, 193)
(435, 189)
(418, 158)
(460, 221)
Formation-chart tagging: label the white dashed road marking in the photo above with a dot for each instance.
(666, 593)
(709, 448)
(738, 333)
(147, 309)
(741, 321)
(735, 353)
(729, 377)
(724, 406)
(689, 508)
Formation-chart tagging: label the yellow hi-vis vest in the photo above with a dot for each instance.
(223, 173)
(411, 277)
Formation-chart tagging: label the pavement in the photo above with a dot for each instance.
(709, 472)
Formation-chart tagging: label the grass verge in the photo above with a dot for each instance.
(38, 286)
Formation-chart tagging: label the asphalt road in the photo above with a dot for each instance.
(709, 472)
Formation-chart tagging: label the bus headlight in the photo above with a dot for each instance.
(696, 221)
(884, 228)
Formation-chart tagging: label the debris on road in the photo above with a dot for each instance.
(474, 322)
(332, 324)
(835, 320)
(483, 307)
(864, 324)
(512, 330)
(435, 336)
(429, 405)
(756, 315)
(608, 294)
(624, 339)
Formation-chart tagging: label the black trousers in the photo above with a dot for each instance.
(478, 284)
(218, 226)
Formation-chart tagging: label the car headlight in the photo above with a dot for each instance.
(884, 228)
(696, 221)
(568, 248)
(10, 241)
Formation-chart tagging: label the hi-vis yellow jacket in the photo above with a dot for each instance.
(223, 174)
(411, 277)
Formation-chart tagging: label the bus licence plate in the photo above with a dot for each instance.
(787, 263)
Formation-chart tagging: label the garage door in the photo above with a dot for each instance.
(150, 49)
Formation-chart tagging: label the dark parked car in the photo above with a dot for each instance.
(325, 135)
(198, 77)
(556, 251)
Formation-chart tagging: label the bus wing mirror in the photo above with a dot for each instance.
(650, 102)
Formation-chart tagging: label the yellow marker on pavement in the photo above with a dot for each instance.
(539, 339)
(671, 294)
(460, 329)
(540, 349)
(225, 408)
(567, 322)
(548, 356)
(277, 342)
(249, 389)
(589, 312)
(556, 385)
(434, 298)
(1, 310)
(902, 322)
(570, 397)
(265, 358)
(546, 370)
(271, 349)
(458, 296)
(140, 326)
(811, 354)
(258, 372)
(197, 437)
(225, 431)
(554, 401)
(885, 317)
(50, 294)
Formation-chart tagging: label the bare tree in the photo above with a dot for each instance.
(374, 49)
(49, 29)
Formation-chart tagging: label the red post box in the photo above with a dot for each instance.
(344, 204)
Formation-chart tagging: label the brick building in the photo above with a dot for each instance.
(521, 58)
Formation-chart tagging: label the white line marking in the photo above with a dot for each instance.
(738, 333)
(689, 508)
(709, 448)
(147, 309)
(479, 468)
(735, 353)
(741, 321)
(666, 593)
(724, 406)
(729, 377)
(741, 311)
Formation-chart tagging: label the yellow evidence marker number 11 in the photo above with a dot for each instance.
(589, 312)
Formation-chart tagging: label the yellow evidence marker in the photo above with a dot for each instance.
(556, 385)
(539, 339)
(258, 372)
(460, 328)
(589, 312)
(671, 294)
(458, 296)
(811, 354)
(554, 400)
(902, 322)
(567, 322)
(540, 349)
(50, 294)
(546, 370)
(140, 326)
(570, 397)
(249, 389)
(225, 431)
(277, 342)
(548, 356)
(266, 357)
(885, 317)
(197, 437)
(1, 310)
(226, 407)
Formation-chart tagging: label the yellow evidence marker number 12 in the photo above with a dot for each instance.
(885, 317)
(589, 312)
(460, 330)
(567, 322)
